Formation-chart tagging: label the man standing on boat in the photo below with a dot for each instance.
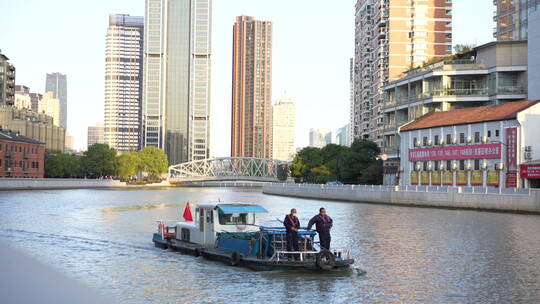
(292, 224)
(323, 224)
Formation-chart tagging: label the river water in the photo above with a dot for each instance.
(403, 255)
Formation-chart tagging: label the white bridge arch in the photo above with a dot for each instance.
(226, 168)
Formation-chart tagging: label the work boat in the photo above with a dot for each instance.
(229, 232)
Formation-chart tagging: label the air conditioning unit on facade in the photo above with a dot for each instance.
(429, 167)
(454, 141)
(499, 166)
(484, 165)
(469, 139)
(441, 141)
(468, 166)
(485, 139)
(429, 142)
(418, 167)
(454, 166)
(441, 167)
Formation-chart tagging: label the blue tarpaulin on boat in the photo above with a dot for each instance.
(230, 209)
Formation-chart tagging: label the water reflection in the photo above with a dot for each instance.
(410, 255)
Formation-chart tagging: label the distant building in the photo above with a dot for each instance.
(70, 143)
(51, 107)
(319, 137)
(342, 136)
(176, 80)
(35, 99)
(512, 18)
(22, 97)
(37, 126)
(7, 81)
(493, 146)
(123, 81)
(20, 156)
(284, 129)
(57, 84)
(95, 135)
(251, 128)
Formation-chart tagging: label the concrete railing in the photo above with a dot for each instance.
(518, 200)
(57, 183)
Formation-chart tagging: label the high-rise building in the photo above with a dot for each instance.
(7, 81)
(50, 106)
(352, 106)
(319, 137)
(123, 81)
(342, 136)
(57, 84)
(284, 121)
(95, 134)
(511, 18)
(251, 129)
(35, 99)
(390, 38)
(176, 80)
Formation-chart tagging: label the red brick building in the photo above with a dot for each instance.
(20, 156)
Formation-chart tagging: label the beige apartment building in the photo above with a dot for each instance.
(251, 130)
(390, 38)
(284, 129)
(50, 106)
(512, 18)
(34, 125)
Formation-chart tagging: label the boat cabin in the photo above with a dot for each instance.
(212, 218)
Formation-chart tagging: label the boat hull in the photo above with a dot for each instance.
(250, 262)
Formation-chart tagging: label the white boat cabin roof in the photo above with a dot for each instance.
(230, 208)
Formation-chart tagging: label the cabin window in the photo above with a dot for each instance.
(184, 234)
(235, 219)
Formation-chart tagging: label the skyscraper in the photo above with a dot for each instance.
(284, 121)
(511, 18)
(123, 81)
(176, 81)
(57, 84)
(319, 137)
(391, 37)
(251, 130)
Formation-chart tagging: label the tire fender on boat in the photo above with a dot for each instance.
(326, 260)
(235, 258)
(198, 252)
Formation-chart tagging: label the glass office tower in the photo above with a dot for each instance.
(176, 88)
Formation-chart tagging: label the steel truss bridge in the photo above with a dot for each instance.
(226, 169)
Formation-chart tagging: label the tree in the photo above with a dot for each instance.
(99, 160)
(128, 164)
(153, 161)
(305, 160)
(62, 165)
(463, 48)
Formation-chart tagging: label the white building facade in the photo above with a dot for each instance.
(483, 146)
(123, 82)
(50, 106)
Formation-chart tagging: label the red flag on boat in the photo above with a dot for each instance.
(187, 214)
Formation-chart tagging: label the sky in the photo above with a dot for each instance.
(313, 41)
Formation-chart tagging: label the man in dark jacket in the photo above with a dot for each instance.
(323, 224)
(292, 224)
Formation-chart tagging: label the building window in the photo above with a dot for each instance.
(437, 140)
(476, 137)
(424, 141)
(415, 166)
(477, 164)
(489, 133)
(448, 139)
(425, 166)
(436, 165)
(461, 138)
(414, 141)
(0, 147)
(448, 165)
(462, 164)
(496, 133)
